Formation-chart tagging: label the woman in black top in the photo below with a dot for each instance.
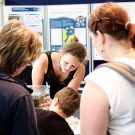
(60, 69)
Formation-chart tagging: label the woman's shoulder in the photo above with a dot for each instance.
(128, 61)
(102, 74)
(80, 70)
(81, 67)
(42, 58)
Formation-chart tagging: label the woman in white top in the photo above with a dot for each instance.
(107, 104)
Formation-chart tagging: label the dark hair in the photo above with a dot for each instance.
(112, 19)
(76, 49)
(69, 100)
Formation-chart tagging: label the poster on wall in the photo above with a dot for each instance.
(31, 16)
(67, 21)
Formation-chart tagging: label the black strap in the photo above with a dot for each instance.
(123, 69)
(50, 65)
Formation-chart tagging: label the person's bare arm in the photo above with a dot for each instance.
(78, 77)
(94, 110)
(39, 69)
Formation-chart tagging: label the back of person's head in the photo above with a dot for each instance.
(69, 100)
(112, 19)
(76, 49)
(19, 45)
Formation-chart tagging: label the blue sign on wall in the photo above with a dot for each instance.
(58, 2)
(25, 9)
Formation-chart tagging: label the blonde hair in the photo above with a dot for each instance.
(69, 100)
(19, 45)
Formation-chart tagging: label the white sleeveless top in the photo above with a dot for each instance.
(121, 95)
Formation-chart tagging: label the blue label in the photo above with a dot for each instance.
(24, 9)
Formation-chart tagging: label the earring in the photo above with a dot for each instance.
(102, 50)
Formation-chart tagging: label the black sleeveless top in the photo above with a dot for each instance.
(52, 79)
